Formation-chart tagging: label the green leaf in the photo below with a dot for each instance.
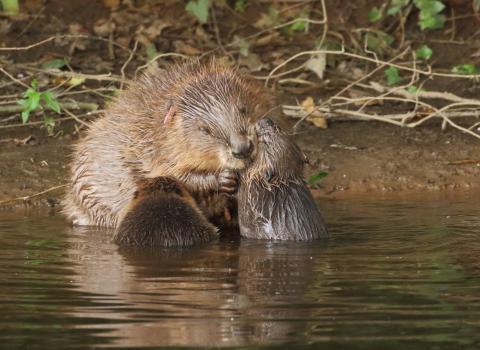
(424, 52)
(51, 101)
(374, 15)
(151, 51)
(243, 45)
(199, 8)
(378, 41)
(393, 77)
(10, 7)
(33, 100)
(468, 69)
(396, 6)
(240, 5)
(298, 25)
(54, 64)
(316, 177)
(25, 116)
(413, 89)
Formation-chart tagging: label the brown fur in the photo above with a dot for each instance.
(163, 213)
(179, 123)
(273, 199)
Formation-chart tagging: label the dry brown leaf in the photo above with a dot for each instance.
(111, 4)
(103, 27)
(319, 122)
(186, 49)
(315, 117)
(252, 61)
(308, 104)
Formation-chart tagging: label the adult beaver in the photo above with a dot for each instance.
(192, 122)
(163, 213)
(273, 199)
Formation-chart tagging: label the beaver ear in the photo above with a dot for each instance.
(172, 110)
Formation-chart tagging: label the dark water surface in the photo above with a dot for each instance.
(396, 274)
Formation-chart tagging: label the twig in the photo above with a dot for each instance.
(353, 55)
(89, 106)
(423, 94)
(122, 70)
(25, 198)
(78, 120)
(19, 125)
(14, 79)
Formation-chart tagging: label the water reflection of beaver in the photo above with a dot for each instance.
(163, 213)
(273, 199)
(193, 122)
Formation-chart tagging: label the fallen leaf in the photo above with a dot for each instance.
(314, 116)
(317, 64)
(186, 49)
(103, 27)
(111, 4)
(252, 61)
(308, 104)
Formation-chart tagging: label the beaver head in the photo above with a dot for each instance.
(216, 111)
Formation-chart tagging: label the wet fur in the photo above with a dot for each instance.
(163, 213)
(273, 200)
(136, 139)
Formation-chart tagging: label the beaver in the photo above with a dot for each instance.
(193, 122)
(273, 199)
(163, 213)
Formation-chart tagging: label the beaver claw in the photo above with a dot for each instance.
(227, 182)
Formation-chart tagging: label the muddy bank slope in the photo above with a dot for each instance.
(359, 157)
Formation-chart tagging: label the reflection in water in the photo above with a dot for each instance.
(225, 293)
(395, 274)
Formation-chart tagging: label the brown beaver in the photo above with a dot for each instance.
(193, 122)
(163, 213)
(273, 199)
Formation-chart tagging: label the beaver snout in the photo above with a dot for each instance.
(241, 146)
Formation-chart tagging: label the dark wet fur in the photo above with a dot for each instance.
(274, 201)
(163, 217)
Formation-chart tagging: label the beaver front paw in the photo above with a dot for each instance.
(227, 182)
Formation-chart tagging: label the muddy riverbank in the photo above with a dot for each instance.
(359, 157)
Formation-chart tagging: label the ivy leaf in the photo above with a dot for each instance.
(56, 63)
(468, 69)
(413, 89)
(392, 76)
(374, 15)
(396, 6)
(199, 8)
(316, 177)
(424, 52)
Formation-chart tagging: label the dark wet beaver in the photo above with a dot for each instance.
(193, 122)
(163, 213)
(273, 199)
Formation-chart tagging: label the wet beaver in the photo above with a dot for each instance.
(273, 199)
(163, 213)
(193, 122)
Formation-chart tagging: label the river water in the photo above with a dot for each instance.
(397, 273)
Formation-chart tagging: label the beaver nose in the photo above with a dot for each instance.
(241, 147)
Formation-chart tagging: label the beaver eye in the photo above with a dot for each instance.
(205, 130)
(243, 110)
